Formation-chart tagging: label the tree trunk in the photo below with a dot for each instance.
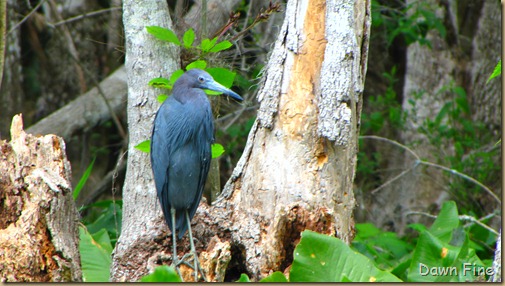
(298, 167)
(38, 219)
(465, 57)
(146, 58)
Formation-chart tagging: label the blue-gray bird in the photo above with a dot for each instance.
(181, 141)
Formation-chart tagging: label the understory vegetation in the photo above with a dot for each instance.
(458, 239)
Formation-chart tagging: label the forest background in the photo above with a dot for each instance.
(430, 126)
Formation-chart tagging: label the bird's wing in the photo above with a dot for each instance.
(168, 135)
(207, 136)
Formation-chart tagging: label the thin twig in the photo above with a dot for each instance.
(422, 162)
(85, 15)
(392, 180)
(474, 220)
(27, 16)
(460, 217)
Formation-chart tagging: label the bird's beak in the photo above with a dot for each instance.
(215, 86)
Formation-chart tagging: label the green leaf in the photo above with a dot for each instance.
(243, 278)
(221, 46)
(175, 76)
(447, 220)
(161, 98)
(83, 179)
(107, 220)
(162, 273)
(321, 258)
(199, 64)
(95, 251)
(163, 34)
(436, 261)
(207, 44)
(188, 38)
(496, 71)
(161, 82)
(217, 150)
(275, 277)
(144, 146)
(221, 75)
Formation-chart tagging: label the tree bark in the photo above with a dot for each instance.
(465, 58)
(146, 58)
(298, 167)
(38, 219)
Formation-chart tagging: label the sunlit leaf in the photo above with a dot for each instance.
(83, 180)
(163, 34)
(217, 150)
(188, 38)
(160, 82)
(221, 46)
(162, 273)
(144, 146)
(95, 251)
(161, 98)
(199, 64)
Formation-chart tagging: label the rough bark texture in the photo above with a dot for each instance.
(146, 58)
(297, 169)
(466, 58)
(38, 218)
(294, 174)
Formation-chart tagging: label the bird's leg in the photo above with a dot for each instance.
(193, 250)
(175, 259)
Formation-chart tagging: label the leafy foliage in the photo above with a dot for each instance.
(95, 250)
(162, 273)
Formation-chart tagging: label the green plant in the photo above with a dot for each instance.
(443, 252)
(98, 235)
(411, 22)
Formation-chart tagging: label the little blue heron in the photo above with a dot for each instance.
(181, 152)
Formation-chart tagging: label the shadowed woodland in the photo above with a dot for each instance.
(427, 123)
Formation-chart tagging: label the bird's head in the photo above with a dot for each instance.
(201, 79)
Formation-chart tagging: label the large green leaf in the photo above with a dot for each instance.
(434, 260)
(110, 220)
(95, 253)
(163, 34)
(162, 273)
(447, 221)
(223, 76)
(321, 258)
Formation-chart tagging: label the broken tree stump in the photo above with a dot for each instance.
(39, 237)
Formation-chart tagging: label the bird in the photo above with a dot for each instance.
(181, 139)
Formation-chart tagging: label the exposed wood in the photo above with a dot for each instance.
(297, 169)
(38, 219)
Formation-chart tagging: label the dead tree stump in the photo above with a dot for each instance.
(39, 237)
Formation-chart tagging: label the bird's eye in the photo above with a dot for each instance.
(201, 79)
